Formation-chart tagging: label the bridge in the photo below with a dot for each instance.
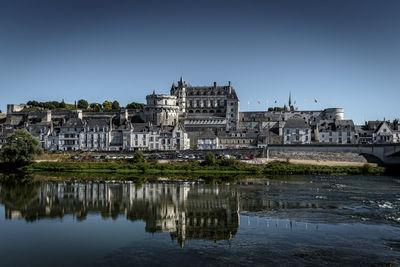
(388, 154)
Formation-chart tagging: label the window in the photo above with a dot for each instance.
(306, 131)
(348, 133)
(204, 103)
(306, 137)
(297, 131)
(212, 103)
(297, 137)
(287, 131)
(198, 103)
(330, 140)
(191, 103)
(287, 138)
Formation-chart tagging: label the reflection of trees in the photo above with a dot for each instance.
(184, 210)
(17, 195)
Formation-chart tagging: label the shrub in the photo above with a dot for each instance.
(138, 157)
(209, 159)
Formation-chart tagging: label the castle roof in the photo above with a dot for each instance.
(296, 123)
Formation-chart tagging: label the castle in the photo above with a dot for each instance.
(189, 117)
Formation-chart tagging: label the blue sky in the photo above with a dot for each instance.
(342, 53)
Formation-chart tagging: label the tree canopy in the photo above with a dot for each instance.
(138, 157)
(276, 109)
(107, 105)
(135, 105)
(115, 105)
(209, 159)
(83, 104)
(20, 148)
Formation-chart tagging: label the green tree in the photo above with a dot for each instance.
(96, 106)
(107, 105)
(209, 159)
(138, 157)
(83, 104)
(135, 105)
(62, 104)
(20, 148)
(115, 105)
(33, 103)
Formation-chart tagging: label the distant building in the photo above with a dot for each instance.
(336, 132)
(207, 140)
(296, 131)
(239, 139)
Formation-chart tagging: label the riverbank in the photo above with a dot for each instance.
(196, 167)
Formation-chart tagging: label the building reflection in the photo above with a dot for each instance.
(186, 211)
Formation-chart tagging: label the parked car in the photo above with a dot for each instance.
(245, 158)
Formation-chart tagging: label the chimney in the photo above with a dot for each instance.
(230, 87)
(215, 85)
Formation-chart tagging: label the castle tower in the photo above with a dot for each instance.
(180, 93)
(161, 109)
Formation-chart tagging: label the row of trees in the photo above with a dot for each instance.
(82, 104)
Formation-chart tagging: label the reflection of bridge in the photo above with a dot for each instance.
(388, 154)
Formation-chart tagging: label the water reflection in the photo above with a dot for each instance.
(297, 221)
(184, 210)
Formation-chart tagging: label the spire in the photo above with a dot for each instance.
(290, 99)
(154, 91)
(181, 82)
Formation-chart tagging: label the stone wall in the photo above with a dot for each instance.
(306, 155)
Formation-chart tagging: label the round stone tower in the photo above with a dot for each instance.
(161, 109)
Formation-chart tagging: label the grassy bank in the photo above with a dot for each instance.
(195, 167)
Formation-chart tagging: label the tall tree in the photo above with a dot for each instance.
(62, 104)
(107, 105)
(83, 104)
(115, 105)
(20, 148)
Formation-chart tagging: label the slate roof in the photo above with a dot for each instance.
(73, 122)
(338, 125)
(296, 123)
(97, 123)
(207, 134)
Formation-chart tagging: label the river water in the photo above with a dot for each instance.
(302, 221)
